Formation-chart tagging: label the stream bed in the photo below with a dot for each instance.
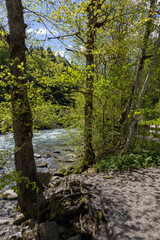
(51, 152)
(50, 149)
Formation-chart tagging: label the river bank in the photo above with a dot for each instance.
(118, 205)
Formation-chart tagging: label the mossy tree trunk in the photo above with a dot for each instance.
(88, 108)
(21, 113)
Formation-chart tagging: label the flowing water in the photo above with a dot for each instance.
(42, 140)
(50, 148)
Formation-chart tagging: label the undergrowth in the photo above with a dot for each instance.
(146, 158)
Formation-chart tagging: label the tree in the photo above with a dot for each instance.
(133, 105)
(21, 113)
(140, 65)
(131, 135)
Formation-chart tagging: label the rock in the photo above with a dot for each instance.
(42, 165)
(4, 222)
(16, 236)
(77, 237)
(56, 152)
(48, 231)
(19, 219)
(9, 195)
(2, 233)
(70, 161)
(72, 155)
(59, 160)
(37, 155)
(44, 177)
(54, 178)
(69, 150)
(47, 155)
(59, 174)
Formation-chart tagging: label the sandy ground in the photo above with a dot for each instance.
(129, 201)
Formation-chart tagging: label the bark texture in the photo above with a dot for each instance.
(88, 108)
(22, 119)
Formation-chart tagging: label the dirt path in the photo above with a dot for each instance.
(129, 201)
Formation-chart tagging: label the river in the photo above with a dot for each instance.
(50, 147)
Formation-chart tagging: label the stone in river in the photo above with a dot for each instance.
(19, 219)
(6, 221)
(9, 195)
(69, 160)
(56, 152)
(59, 174)
(37, 155)
(42, 165)
(47, 155)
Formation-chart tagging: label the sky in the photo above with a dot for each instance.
(37, 31)
(42, 31)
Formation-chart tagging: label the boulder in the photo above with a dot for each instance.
(9, 195)
(48, 231)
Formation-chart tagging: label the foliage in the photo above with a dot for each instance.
(143, 159)
(10, 177)
(57, 87)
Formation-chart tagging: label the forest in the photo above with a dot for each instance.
(90, 67)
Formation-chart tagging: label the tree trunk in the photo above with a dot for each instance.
(131, 136)
(89, 156)
(136, 80)
(21, 113)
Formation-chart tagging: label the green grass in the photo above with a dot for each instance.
(146, 158)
